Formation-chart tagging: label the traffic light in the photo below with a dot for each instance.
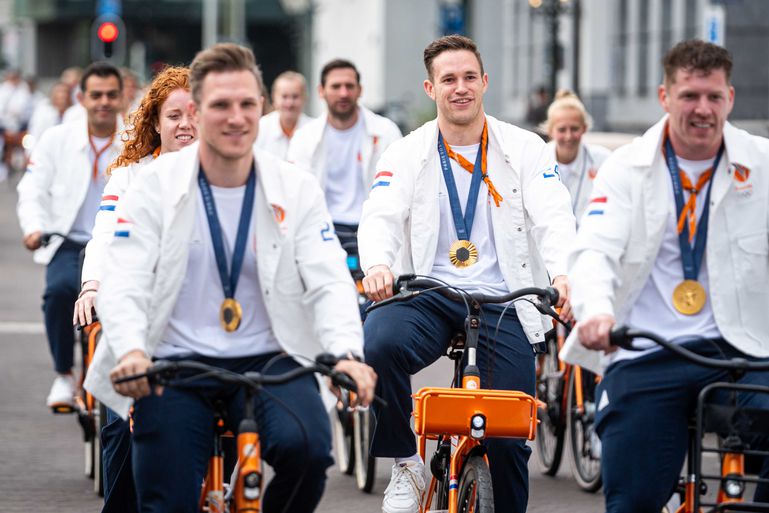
(108, 39)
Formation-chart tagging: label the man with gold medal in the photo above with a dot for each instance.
(675, 240)
(477, 203)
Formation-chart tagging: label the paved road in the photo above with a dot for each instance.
(42, 454)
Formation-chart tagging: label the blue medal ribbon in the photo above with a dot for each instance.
(463, 225)
(229, 280)
(691, 258)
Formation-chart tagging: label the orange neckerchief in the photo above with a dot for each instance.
(98, 153)
(690, 207)
(468, 166)
(156, 152)
(288, 133)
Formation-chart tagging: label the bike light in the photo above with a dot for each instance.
(252, 483)
(733, 488)
(477, 427)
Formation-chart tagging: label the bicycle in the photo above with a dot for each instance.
(91, 414)
(568, 405)
(460, 417)
(352, 427)
(728, 421)
(244, 491)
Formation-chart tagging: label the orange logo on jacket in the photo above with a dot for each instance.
(741, 173)
(279, 213)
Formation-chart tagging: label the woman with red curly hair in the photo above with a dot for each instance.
(161, 124)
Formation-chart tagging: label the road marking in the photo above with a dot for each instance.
(31, 328)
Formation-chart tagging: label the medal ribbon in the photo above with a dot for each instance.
(463, 225)
(228, 282)
(98, 153)
(467, 166)
(691, 258)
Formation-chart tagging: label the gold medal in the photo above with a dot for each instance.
(463, 253)
(689, 297)
(230, 314)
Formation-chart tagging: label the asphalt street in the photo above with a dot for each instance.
(42, 454)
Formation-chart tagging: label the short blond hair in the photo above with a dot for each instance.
(566, 99)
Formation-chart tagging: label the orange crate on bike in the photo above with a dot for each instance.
(447, 411)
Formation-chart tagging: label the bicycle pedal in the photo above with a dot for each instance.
(62, 409)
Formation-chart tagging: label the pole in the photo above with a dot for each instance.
(552, 12)
(576, 45)
(210, 22)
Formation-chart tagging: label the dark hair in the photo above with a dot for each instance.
(338, 64)
(450, 43)
(696, 55)
(101, 69)
(220, 58)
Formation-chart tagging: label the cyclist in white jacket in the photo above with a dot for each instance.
(168, 293)
(675, 240)
(289, 94)
(522, 229)
(61, 192)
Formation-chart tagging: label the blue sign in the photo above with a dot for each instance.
(109, 7)
(452, 19)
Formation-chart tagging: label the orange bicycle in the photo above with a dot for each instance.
(460, 417)
(244, 491)
(731, 422)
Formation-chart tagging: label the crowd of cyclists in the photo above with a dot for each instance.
(209, 234)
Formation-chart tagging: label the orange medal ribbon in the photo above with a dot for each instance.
(468, 166)
(98, 153)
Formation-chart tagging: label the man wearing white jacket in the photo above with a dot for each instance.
(289, 94)
(523, 226)
(675, 240)
(61, 192)
(221, 255)
(342, 147)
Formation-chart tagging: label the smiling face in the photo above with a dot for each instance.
(698, 104)
(175, 124)
(288, 98)
(228, 113)
(341, 93)
(457, 87)
(567, 127)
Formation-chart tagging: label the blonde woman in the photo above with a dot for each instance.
(567, 121)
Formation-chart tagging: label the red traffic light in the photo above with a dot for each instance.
(107, 32)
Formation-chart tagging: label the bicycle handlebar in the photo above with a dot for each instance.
(45, 238)
(623, 337)
(403, 286)
(163, 373)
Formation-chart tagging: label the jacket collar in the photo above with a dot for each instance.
(82, 141)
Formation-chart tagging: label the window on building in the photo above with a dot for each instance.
(619, 52)
(692, 23)
(643, 49)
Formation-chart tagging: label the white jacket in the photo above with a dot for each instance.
(616, 250)
(307, 151)
(56, 182)
(307, 290)
(580, 184)
(106, 220)
(533, 226)
(271, 136)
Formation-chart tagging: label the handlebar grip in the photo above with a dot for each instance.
(619, 337)
(552, 295)
(342, 380)
(403, 278)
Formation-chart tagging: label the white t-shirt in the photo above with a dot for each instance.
(86, 216)
(653, 310)
(194, 326)
(485, 275)
(345, 190)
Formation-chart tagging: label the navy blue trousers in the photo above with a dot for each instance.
(643, 428)
(62, 284)
(119, 489)
(403, 338)
(173, 439)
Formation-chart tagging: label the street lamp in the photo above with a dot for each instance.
(552, 10)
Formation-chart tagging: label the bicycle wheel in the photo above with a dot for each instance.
(585, 446)
(344, 446)
(551, 429)
(475, 492)
(365, 463)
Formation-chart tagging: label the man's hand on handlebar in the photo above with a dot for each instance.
(364, 377)
(33, 241)
(84, 306)
(132, 363)
(378, 283)
(561, 284)
(594, 332)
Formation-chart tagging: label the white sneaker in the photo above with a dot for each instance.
(407, 485)
(62, 392)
